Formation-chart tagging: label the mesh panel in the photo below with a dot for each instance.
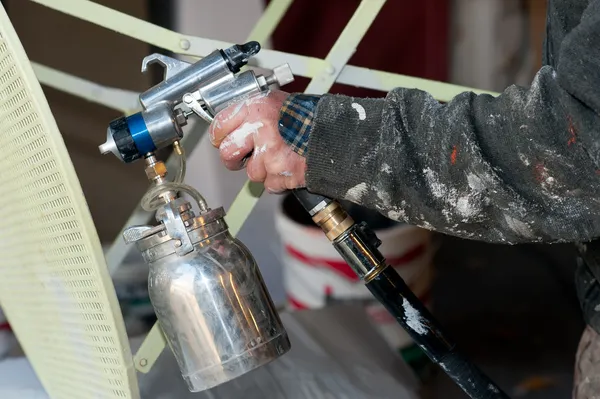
(54, 285)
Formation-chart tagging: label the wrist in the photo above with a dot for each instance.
(296, 120)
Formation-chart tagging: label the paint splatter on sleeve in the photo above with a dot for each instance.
(520, 167)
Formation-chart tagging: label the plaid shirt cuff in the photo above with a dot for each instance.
(296, 120)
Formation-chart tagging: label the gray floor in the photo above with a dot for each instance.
(512, 310)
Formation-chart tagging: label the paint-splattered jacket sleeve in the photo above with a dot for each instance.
(521, 167)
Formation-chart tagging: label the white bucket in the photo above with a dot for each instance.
(314, 274)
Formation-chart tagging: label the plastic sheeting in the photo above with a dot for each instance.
(335, 354)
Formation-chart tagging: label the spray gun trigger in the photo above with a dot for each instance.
(192, 103)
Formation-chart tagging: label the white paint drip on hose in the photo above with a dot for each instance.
(414, 318)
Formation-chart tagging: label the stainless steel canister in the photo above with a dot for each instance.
(212, 303)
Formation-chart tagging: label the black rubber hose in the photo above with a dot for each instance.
(389, 289)
(309, 200)
(393, 293)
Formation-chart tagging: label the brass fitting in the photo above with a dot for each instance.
(156, 171)
(178, 148)
(333, 220)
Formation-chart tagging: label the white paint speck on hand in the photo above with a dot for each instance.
(286, 173)
(356, 193)
(235, 111)
(258, 151)
(257, 99)
(362, 114)
(238, 137)
(414, 318)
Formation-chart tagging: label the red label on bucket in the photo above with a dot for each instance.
(296, 304)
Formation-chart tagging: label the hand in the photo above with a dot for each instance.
(251, 127)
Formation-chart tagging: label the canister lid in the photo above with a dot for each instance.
(198, 228)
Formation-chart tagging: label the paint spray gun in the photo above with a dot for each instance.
(206, 289)
(203, 88)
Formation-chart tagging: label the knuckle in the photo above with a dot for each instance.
(270, 189)
(275, 190)
(274, 185)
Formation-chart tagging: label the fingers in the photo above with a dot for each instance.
(259, 107)
(285, 170)
(279, 183)
(275, 184)
(226, 121)
(239, 144)
(247, 136)
(255, 168)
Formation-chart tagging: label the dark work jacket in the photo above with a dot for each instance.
(518, 168)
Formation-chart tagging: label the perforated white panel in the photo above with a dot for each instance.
(54, 284)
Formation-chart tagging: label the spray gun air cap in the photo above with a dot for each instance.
(238, 55)
(109, 145)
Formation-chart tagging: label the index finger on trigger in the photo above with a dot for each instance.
(226, 122)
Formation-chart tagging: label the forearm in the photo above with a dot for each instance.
(522, 167)
(507, 169)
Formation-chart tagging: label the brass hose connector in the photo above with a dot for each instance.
(156, 170)
(333, 220)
